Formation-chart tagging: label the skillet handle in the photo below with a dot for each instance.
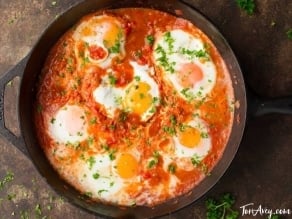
(258, 106)
(15, 71)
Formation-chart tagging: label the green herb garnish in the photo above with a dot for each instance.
(92, 121)
(289, 34)
(163, 61)
(91, 161)
(246, 5)
(221, 208)
(38, 210)
(123, 116)
(112, 79)
(171, 168)
(95, 176)
(191, 54)
(153, 162)
(150, 39)
(8, 178)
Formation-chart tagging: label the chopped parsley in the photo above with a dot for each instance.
(91, 161)
(88, 194)
(182, 127)
(246, 5)
(112, 127)
(155, 100)
(197, 162)
(169, 40)
(154, 161)
(95, 175)
(101, 191)
(118, 100)
(85, 60)
(39, 108)
(92, 121)
(204, 135)
(90, 140)
(38, 210)
(187, 94)
(115, 48)
(173, 120)
(163, 61)
(8, 178)
(137, 78)
(221, 208)
(191, 54)
(150, 39)
(289, 34)
(53, 120)
(171, 168)
(123, 116)
(169, 130)
(112, 155)
(112, 79)
(138, 54)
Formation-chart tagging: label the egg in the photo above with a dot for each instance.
(106, 178)
(185, 63)
(139, 96)
(193, 140)
(97, 177)
(99, 40)
(68, 125)
(142, 94)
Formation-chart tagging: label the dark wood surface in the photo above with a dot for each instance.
(261, 170)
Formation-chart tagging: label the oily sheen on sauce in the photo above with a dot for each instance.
(134, 111)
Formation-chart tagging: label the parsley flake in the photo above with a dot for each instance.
(246, 5)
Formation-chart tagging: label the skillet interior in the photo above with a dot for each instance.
(27, 97)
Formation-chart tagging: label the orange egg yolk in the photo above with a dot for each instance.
(113, 31)
(190, 137)
(189, 74)
(138, 98)
(127, 166)
(112, 35)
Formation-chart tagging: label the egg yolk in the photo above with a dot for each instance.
(112, 35)
(190, 137)
(127, 166)
(189, 74)
(138, 98)
(110, 29)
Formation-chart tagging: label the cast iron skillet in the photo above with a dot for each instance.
(29, 68)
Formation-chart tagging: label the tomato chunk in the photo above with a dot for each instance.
(97, 52)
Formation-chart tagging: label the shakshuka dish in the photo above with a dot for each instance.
(134, 106)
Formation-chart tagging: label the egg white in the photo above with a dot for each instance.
(172, 52)
(96, 177)
(68, 125)
(109, 96)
